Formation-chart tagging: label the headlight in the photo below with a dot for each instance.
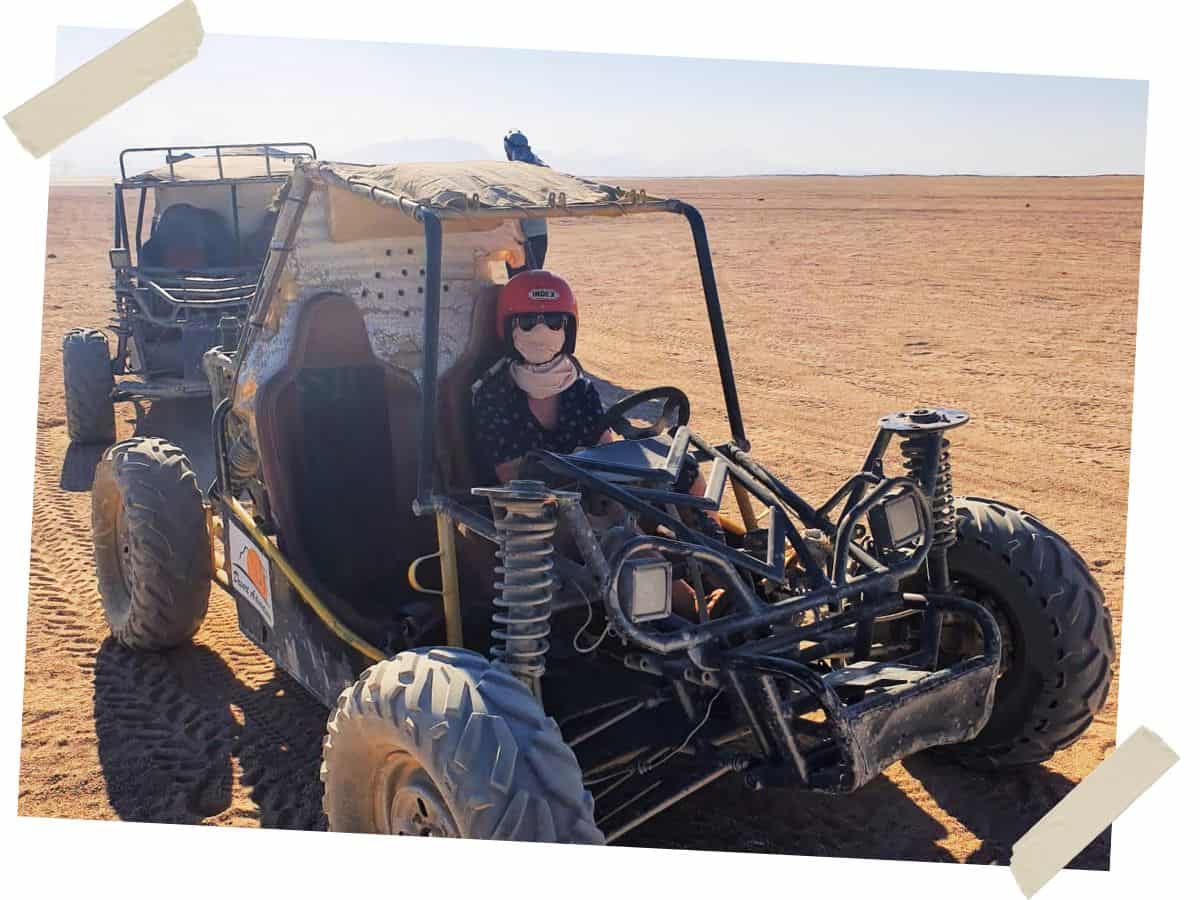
(644, 588)
(895, 524)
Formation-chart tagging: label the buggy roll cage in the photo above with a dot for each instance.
(267, 150)
(447, 510)
(283, 151)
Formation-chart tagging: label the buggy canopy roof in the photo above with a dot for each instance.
(486, 188)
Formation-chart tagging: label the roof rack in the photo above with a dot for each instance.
(225, 156)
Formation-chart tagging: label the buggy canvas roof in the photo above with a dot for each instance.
(468, 186)
(235, 166)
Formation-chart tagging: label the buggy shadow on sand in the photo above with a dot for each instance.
(562, 698)
(184, 422)
(174, 714)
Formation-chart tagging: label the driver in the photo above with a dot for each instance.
(537, 397)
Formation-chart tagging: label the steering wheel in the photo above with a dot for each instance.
(674, 401)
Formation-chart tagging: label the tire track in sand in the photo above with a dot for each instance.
(210, 730)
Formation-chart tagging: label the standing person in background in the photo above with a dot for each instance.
(517, 149)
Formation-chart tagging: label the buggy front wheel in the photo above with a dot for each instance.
(88, 386)
(1058, 651)
(153, 557)
(439, 743)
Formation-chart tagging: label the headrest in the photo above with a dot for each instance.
(331, 333)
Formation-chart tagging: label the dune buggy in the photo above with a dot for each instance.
(542, 686)
(188, 283)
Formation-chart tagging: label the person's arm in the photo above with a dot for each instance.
(594, 410)
(507, 471)
(491, 446)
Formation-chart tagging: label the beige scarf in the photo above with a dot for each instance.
(542, 380)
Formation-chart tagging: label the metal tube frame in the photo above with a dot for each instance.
(266, 146)
(141, 217)
(431, 343)
(126, 291)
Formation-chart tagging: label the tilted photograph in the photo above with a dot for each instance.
(687, 453)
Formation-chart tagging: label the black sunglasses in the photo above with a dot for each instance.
(552, 320)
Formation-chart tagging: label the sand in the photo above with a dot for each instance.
(845, 298)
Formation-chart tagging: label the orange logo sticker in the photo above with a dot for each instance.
(250, 573)
(255, 571)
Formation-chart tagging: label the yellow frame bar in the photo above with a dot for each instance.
(744, 505)
(447, 556)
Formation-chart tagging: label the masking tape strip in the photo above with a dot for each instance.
(106, 81)
(1089, 808)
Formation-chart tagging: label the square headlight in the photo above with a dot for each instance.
(894, 524)
(644, 588)
(118, 258)
(904, 522)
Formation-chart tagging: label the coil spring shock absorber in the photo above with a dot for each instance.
(926, 453)
(922, 454)
(525, 516)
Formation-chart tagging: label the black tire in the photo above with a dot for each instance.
(88, 386)
(1057, 634)
(153, 558)
(460, 744)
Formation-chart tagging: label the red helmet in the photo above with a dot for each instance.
(536, 290)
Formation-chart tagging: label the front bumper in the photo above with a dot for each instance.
(839, 729)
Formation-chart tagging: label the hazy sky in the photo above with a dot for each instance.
(595, 114)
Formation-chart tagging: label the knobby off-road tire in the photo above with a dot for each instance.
(1057, 633)
(438, 742)
(88, 385)
(153, 558)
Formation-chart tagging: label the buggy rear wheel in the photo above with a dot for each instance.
(88, 386)
(1057, 653)
(152, 547)
(438, 742)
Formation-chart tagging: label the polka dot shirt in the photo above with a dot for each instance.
(506, 428)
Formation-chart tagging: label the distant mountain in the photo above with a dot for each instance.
(423, 150)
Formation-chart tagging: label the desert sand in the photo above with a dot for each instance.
(845, 298)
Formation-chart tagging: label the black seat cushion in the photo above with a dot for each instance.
(346, 489)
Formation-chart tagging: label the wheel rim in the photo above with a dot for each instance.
(124, 550)
(409, 803)
(966, 638)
